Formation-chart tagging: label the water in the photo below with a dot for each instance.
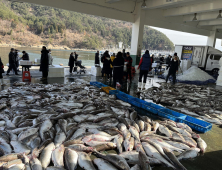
(60, 56)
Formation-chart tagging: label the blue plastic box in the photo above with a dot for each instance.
(170, 114)
(123, 96)
(98, 84)
(196, 124)
(148, 106)
(113, 92)
(136, 102)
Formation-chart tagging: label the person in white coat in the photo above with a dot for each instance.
(50, 57)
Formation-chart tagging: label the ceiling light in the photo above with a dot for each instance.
(219, 16)
(195, 17)
(143, 5)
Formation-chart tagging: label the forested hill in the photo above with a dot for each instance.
(29, 24)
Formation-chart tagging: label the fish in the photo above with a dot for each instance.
(45, 156)
(103, 164)
(144, 161)
(71, 159)
(134, 132)
(188, 154)
(84, 161)
(118, 140)
(201, 144)
(57, 156)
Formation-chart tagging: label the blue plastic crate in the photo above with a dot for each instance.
(168, 116)
(148, 106)
(135, 102)
(113, 92)
(98, 84)
(156, 106)
(196, 124)
(123, 96)
(175, 114)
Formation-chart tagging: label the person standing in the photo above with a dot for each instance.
(118, 69)
(144, 67)
(97, 58)
(50, 57)
(111, 66)
(71, 63)
(76, 57)
(174, 64)
(12, 64)
(25, 57)
(44, 66)
(124, 54)
(168, 60)
(17, 58)
(106, 65)
(129, 61)
(1, 71)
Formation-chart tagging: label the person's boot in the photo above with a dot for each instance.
(143, 87)
(139, 85)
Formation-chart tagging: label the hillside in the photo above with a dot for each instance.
(30, 24)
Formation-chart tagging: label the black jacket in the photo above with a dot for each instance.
(25, 56)
(106, 65)
(11, 58)
(168, 60)
(44, 66)
(1, 69)
(76, 57)
(71, 60)
(97, 58)
(173, 66)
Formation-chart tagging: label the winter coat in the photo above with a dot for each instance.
(118, 67)
(44, 66)
(168, 60)
(106, 65)
(25, 56)
(76, 57)
(11, 58)
(71, 60)
(97, 58)
(129, 65)
(1, 65)
(145, 62)
(173, 66)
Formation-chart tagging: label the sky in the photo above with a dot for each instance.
(182, 38)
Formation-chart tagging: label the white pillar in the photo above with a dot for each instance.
(137, 34)
(211, 40)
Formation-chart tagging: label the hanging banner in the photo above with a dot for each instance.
(187, 52)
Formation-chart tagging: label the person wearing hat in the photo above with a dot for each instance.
(25, 57)
(12, 64)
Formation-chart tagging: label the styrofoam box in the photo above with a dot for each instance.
(37, 60)
(96, 71)
(25, 62)
(56, 71)
(185, 64)
(155, 64)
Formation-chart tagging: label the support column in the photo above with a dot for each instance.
(211, 40)
(137, 35)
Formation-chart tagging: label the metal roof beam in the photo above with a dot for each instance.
(112, 1)
(215, 5)
(201, 16)
(154, 4)
(211, 23)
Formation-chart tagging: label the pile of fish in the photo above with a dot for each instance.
(202, 102)
(76, 125)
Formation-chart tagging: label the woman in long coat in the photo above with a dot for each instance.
(71, 62)
(44, 66)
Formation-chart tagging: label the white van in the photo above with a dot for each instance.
(205, 57)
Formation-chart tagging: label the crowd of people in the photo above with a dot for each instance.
(119, 67)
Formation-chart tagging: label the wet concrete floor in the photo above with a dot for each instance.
(211, 160)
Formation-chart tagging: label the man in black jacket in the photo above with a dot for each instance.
(25, 57)
(168, 60)
(174, 64)
(97, 58)
(12, 64)
(71, 63)
(44, 66)
(76, 57)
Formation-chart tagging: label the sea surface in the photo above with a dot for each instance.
(60, 56)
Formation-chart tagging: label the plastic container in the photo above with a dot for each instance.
(135, 101)
(196, 124)
(148, 106)
(107, 89)
(170, 114)
(98, 84)
(123, 96)
(156, 106)
(113, 92)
